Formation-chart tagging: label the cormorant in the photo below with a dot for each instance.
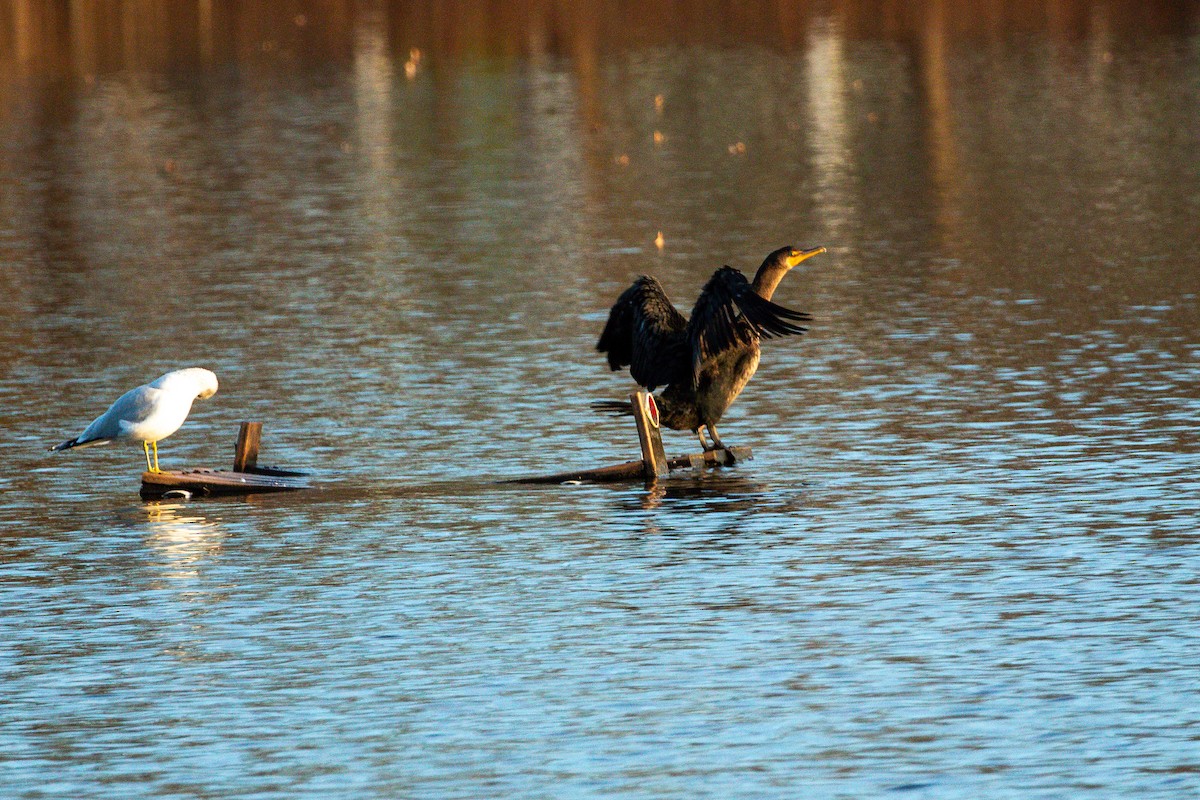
(705, 361)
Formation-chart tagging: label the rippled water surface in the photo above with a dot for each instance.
(962, 563)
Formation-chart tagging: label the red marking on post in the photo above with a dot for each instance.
(652, 410)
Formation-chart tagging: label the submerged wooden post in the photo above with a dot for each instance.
(245, 457)
(654, 457)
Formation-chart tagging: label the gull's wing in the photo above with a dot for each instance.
(730, 313)
(647, 334)
(133, 407)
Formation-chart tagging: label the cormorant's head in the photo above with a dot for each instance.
(788, 257)
(777, 264)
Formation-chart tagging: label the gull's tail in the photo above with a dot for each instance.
(69, 443)
(617, 408)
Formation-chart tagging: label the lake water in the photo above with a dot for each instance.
(962, 563)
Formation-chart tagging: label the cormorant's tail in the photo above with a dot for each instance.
(617, 408)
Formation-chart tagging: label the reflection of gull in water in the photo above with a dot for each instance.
(183, 539)
(148, 413)
(183, 547)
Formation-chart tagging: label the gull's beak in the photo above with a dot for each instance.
(796, 256)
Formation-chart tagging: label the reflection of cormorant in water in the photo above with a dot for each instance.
(716, 500)
(705, 361)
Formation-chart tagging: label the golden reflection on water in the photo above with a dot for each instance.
(88, 38)
(831, 160)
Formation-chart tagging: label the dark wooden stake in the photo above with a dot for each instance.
(245, 457)
(654, 457)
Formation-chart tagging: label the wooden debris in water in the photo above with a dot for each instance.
(245, 478)
(654, 463)
(210, 482)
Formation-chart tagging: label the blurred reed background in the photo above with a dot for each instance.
(85, 38)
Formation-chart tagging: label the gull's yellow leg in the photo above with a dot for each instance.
(146, 448)
(155, 446)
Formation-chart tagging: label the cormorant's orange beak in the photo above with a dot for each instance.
(796, 256)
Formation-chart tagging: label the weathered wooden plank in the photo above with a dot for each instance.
(246, 478)
(633, 470)
(630, 470)
(208, 482)
(711, 458)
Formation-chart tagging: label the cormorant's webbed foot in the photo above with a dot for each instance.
(717, 444)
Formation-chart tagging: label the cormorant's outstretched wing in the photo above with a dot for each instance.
(730, 313)
(647, 334)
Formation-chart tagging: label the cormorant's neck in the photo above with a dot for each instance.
(767, 278)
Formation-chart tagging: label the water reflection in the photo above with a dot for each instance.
(184, 540)
(121, 35)
(705, 490)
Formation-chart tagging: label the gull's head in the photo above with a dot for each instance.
(207, 382)
(201, 383)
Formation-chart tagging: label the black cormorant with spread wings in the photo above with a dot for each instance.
(705, 361)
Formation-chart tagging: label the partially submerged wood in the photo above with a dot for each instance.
(711, 458)
(630, 470)
(246, 478)
(209, 482)
(635, 470)
(654, 463)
